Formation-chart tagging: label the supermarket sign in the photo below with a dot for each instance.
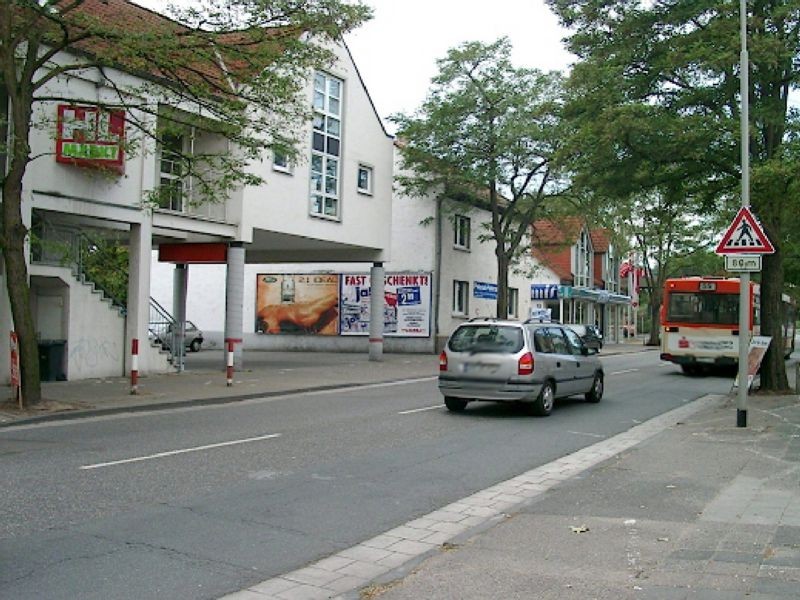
(90, 136)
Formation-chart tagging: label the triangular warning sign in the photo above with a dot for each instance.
(745, 236)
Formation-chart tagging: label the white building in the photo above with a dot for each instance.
(454, 266)
(334, 205)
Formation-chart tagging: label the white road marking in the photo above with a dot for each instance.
(416, 410)
(182, 451)
(594, 435)
(217, 406)
(624, 371)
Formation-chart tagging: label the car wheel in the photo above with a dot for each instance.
(195, 346)
(455, 404)
(596, 393)
(543, 405)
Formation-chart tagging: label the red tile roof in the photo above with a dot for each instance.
(186, 55)
(553, 242)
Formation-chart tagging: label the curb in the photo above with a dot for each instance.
(189, 402)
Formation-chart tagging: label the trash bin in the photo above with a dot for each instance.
(51, 360)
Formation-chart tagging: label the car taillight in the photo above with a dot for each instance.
(525, 366)
(443, 361)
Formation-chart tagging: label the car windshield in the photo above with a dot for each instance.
(487, 338)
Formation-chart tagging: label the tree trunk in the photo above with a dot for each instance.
(502, 285)
(14, 234)
(773, 367)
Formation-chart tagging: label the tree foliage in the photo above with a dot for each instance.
(233, 69)
(656, 107)
(487, 135)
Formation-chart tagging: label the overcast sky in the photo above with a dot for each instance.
(396, 51)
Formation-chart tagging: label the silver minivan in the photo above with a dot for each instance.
(508, 361)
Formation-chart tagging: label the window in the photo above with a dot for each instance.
(325, 145)
(583, 261)
(280, 162)
(171, 191)
(460, 297)
(364, 179)
(574, 342)
(513, 303)
(461, 230)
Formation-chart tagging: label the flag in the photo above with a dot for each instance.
(625, 268)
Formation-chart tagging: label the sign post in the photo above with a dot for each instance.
(742, 245)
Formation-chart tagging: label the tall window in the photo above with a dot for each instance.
(513, 303)
(583, 261)
(171, 180)
(460, 297)
(325, 146)
(461, 228)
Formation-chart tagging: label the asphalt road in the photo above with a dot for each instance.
(198, 502)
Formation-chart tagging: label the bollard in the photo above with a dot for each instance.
(229, 367)
(134, 366)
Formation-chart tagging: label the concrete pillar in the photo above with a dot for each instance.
(140, 246)
(376, 300)
(234, 302)
(180, 280)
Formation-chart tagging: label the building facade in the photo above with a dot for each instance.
(85, 184)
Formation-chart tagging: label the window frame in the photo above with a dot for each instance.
(461, 238)
(170, 179)
(460, 305)
(370, 171)
(513, 303)
(285, 167)
(325, 169)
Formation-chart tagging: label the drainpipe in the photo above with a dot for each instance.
(437, 274)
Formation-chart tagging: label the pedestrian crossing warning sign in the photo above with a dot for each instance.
(745, 236)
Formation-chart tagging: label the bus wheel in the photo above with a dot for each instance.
(690, 369)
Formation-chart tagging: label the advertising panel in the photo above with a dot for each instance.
(297, 304)
(91, 136)
(406, 306)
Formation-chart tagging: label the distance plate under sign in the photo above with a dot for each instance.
(742, 263)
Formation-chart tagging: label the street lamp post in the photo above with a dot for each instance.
(744, 279)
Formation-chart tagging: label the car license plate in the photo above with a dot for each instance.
(478, 367)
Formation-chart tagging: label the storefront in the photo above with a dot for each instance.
(568, 304)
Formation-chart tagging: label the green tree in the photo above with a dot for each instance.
(240, 64)
(487, 134)
(656, 89)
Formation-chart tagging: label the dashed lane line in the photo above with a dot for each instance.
(181, 451)
(417, 410)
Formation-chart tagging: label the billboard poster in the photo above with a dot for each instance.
(91, 136)
(297, 304)
(406, 305)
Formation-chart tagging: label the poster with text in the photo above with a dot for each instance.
(406, 304)
(297, 304)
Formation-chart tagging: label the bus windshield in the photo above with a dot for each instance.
(703, 308)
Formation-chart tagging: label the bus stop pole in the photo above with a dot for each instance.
(744, 279)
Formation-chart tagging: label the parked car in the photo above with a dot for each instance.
(508, 361)
(590, 334)
(193, 338)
